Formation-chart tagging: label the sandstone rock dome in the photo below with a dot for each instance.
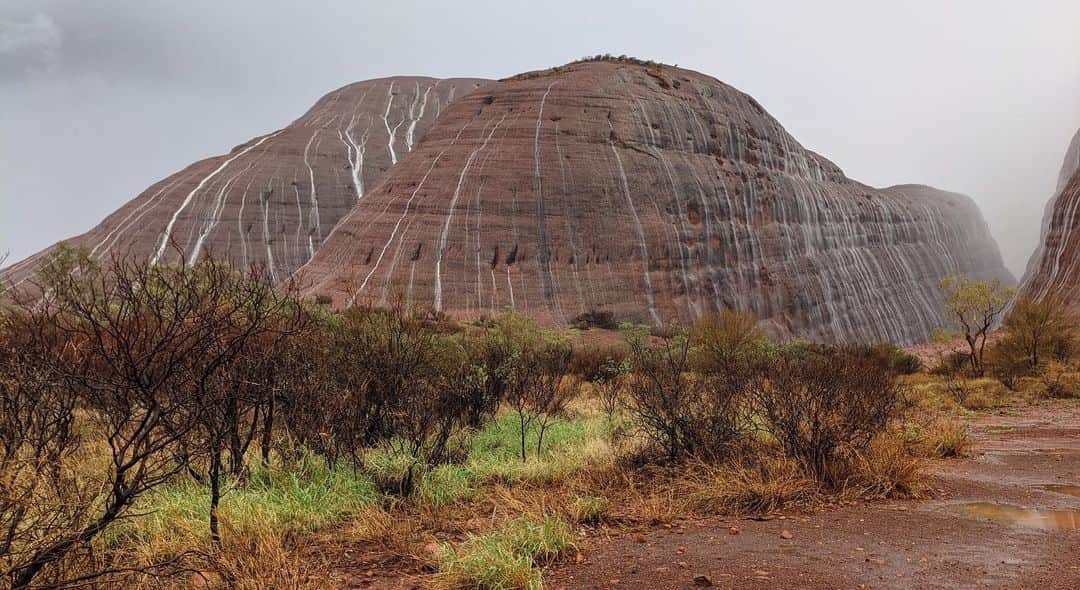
(656, 193)
(272, 200)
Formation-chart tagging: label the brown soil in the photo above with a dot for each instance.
(927, 544)
(885, 544)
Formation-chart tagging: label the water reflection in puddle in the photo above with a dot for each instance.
(1051, 520)
(1063, 489)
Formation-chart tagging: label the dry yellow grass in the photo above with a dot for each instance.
(937, 394)
(744, 486)
(887, 468)
(937, 438)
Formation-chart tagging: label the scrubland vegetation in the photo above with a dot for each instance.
(187, 424)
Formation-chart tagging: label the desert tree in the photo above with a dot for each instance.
(536, 392)
(497, 354)
(553, 388)
(609, 382)
(975, 307)
(1036, 329)
(41, 496)
(234, 393)
(148, 351)
(383, 354)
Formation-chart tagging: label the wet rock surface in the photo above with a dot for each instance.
(272, 201)
(658, 194)
(653, 192)
(1054, 269)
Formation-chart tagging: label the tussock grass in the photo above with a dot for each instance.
(763, 486)
(887, 469)
(506, 558)
(281, 500)
(590, 509)
(935, 394)
(943, 439)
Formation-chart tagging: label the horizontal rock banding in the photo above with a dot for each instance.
(653, 192)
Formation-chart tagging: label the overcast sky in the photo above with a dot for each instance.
(100, 99)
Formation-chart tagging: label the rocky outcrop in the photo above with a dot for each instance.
(273, 200)
(1054, 269)
(655, 193)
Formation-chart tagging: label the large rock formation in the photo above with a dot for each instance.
(1054, 269)
(653, 192)
(273, 200)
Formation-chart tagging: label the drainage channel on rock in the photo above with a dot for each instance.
(1050, 520)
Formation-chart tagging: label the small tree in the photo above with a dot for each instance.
(141, 347)
(553, 390)
(42, 496)
(975, 306)
(608, 383)
(1036, 329)
(536, 391)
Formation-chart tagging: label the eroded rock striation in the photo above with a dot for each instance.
(1054, 269)
(273, 200)
(656, 193)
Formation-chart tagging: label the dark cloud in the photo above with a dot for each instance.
(102, 98)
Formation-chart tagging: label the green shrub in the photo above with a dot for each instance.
(595, 318)
(595, 364)
(897, 359)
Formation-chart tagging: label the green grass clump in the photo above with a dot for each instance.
(590, 509)
(295, 498)
(569, 445)
(447, 484)
(506, 558)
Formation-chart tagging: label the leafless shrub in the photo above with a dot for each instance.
(662, 395)
(537, 392)
(609, 383)
(818, 403)
(143, 351)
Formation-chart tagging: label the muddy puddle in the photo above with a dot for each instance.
(1050, 520)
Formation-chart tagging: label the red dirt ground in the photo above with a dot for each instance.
(902, 544)
(925, 544)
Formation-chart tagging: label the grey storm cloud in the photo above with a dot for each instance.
(101, 98)
(29, 45)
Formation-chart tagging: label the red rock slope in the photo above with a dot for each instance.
(1055, 267)
(656, 193)
(274, 199)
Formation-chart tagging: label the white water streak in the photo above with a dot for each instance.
(187, 200)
